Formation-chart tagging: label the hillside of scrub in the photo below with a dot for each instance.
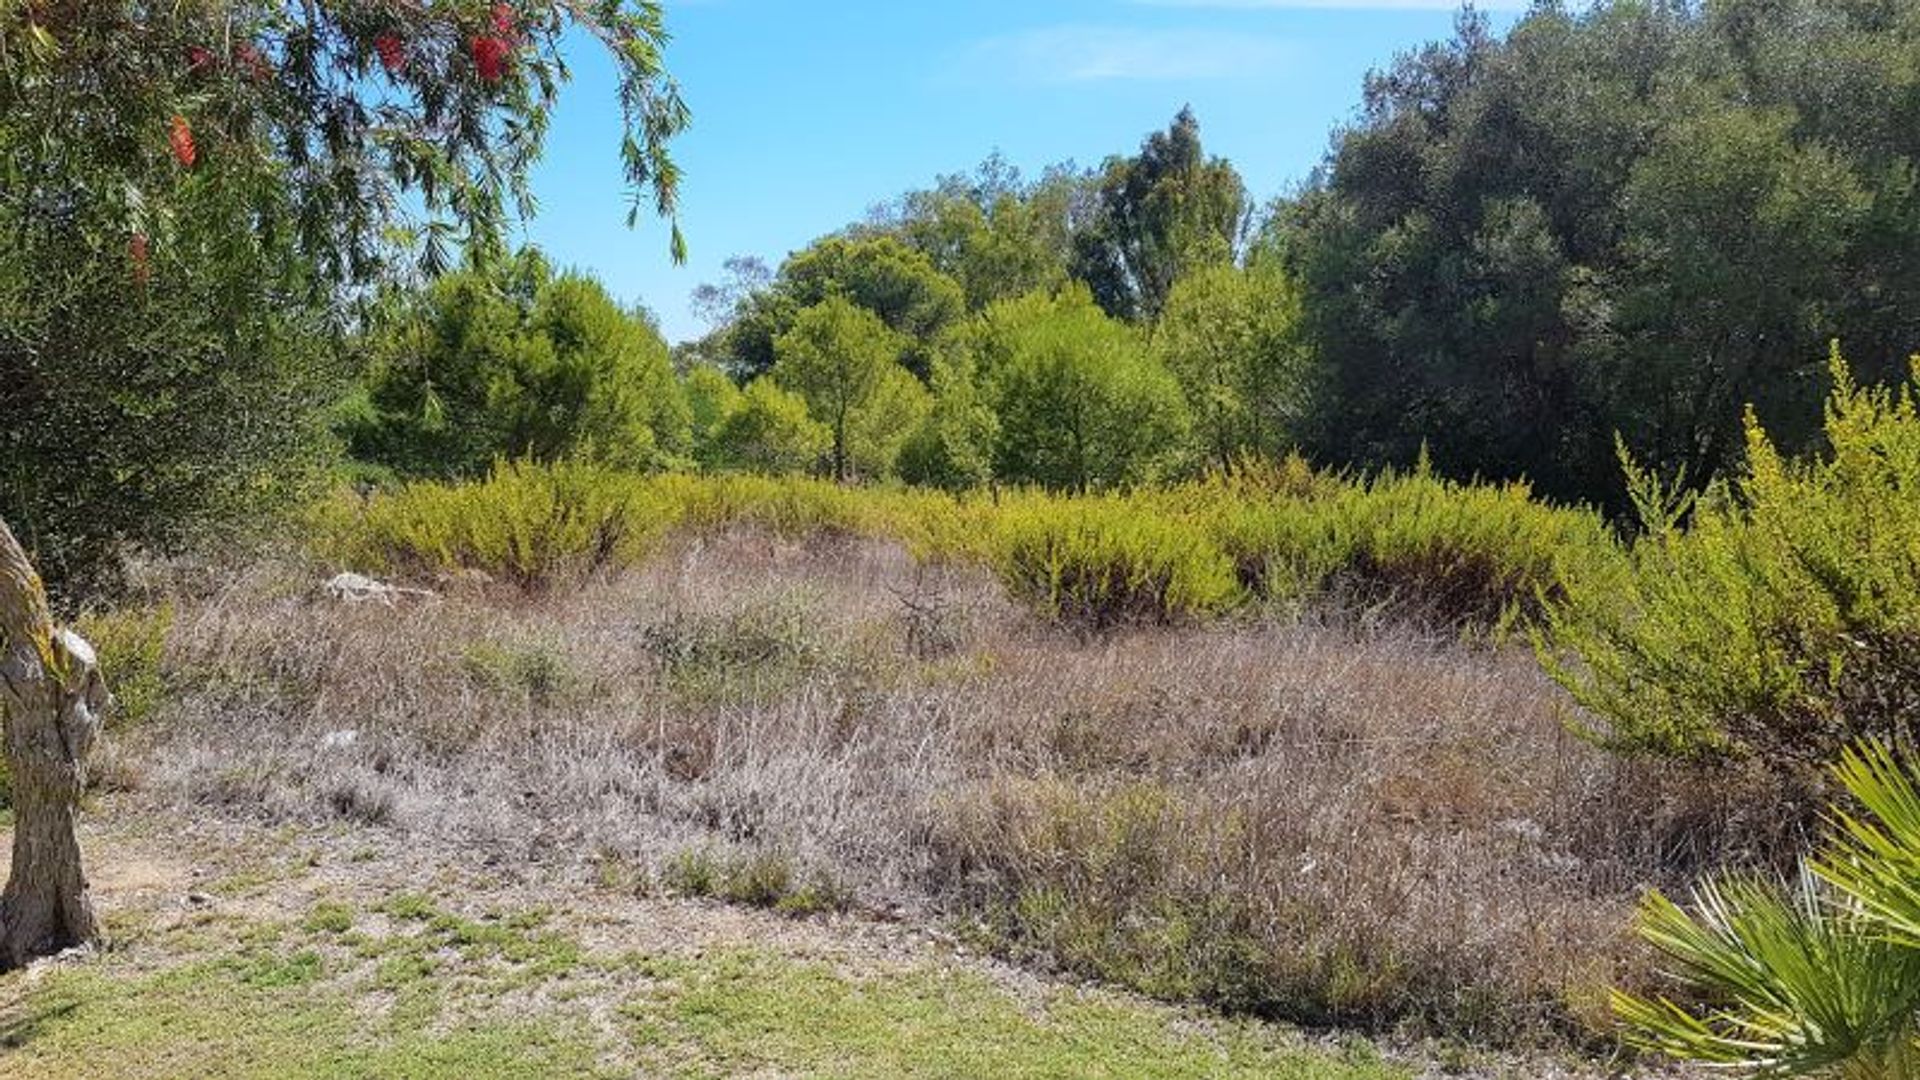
(1364, 817)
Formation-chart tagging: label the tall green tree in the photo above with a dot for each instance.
(894, 283)
(1080, 400)
(997, 234)
(837, 356)
(953, 446)
(1156, 216)
(767, 430)
(711, 398)
(1631, 218)
(1232, 338)
(484, 365)
(879, 429)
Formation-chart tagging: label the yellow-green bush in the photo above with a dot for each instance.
(1462, 554)
(1468, 553)
(1784, 623)
(525, 523)
(1102, 562)
(1276, 531)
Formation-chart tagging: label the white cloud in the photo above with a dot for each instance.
(1065, 54)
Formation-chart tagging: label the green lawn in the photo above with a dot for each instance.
(405, 989)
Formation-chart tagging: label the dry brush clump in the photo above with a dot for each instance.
(1298, 818)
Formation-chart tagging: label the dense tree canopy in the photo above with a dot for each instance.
(1231, 336)
(1082, 403)
(482, 366)
(894, 283)
(996, 234)
(767, 430)
(838, 357)
(1635, 218)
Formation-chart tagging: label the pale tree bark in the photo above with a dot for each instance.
(51, 699)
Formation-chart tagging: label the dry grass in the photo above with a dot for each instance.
(1299, 819)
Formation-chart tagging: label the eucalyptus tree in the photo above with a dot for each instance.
(1156, 216)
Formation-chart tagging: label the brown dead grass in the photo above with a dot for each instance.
(1300, 819)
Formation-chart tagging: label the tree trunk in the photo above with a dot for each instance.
(51, 698)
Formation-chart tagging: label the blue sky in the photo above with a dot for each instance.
(806, 114)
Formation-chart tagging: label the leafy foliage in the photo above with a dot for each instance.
(1158, 215)
(837, 356)
(1457, 554)
(1231, 337)
(996, 234)
(517, 364)
(768, 430)
(1782, 625)
(711, 398)
(1082, 403)
(1100, 562)
(1619, 218)
(953, 447)
(526, 524)
(154, 415)
(189, 192)
(894, 283)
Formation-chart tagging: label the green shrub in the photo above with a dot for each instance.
(1783, 624)
(527, 524)
(516, 362)
(1102, 562)
(760, 647)
(538, 672)
(1470, 554)
(1082, 403)
(760, 878)
(1467, 555)
(693, 873)
(769, 431)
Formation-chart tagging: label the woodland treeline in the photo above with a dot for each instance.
(1627, 222)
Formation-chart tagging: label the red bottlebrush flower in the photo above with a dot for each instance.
(180, 139)
(393, 53)
(490, 56)
(198, 59)
(503, 19)
(137, 255)
(248, 58)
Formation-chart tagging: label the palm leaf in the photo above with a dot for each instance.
(1805, 984)
(1876, 861)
